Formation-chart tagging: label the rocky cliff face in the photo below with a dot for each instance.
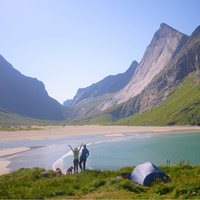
(26, 96)
(185, 61)
(110, 84)
(164, 46)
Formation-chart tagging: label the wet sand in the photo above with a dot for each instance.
(4, 163)
(12, 151)
(79, 130)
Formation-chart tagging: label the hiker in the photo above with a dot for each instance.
(83, 157)
(76, 156)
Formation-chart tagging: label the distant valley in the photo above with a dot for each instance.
(163, 89)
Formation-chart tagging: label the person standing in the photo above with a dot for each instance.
(76, 157)
(83, 157)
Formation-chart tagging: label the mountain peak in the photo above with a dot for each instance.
(163, 25)
(160, 51)
(133, 66)
(196, 33)
(166, 28)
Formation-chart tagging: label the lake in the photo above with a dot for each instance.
(110, 153)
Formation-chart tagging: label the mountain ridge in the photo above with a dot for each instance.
(169, 58)
(26, 96)
(109, 84)
(165, 43)
(185, 62)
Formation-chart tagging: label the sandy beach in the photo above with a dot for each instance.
(58, 131)
(12, 151)
(4, 163)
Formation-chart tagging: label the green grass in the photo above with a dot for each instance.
(18, 128)
(96, 184)
(22, 128)
(178, 108)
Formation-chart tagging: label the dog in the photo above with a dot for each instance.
(69, 171)
(59, 172)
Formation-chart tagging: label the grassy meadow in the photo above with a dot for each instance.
(96, 184)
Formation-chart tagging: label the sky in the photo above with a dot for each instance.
(71, 44)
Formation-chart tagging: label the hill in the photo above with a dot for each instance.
(8, 119)
(26, 96)
(181, 106)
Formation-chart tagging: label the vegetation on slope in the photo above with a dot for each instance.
(8, 119)
(96, 184)
(85, 109)
(181, 107)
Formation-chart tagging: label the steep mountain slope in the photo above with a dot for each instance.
(185, 62)
(180, 107)
(110, 84)
(167, 94)
(26, 96)
(165, 44)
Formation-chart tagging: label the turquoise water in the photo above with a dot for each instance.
(107, 152)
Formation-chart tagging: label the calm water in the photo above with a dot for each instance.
(107, 152)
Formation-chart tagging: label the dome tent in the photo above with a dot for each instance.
(147, 174)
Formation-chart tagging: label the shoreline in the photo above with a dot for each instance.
(7, 152)
(59, 131)
(3, 165)
(10, 152)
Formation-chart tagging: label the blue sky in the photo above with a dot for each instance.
(71, 44)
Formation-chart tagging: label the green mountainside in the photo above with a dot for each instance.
(8, 118)
(181, 107)
(71, 112)
(84, 110)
